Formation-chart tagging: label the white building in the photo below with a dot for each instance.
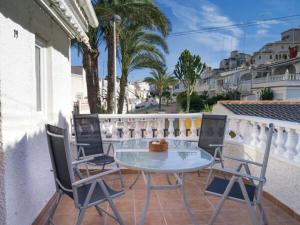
(35, 73)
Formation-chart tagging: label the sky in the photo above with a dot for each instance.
(213, 46)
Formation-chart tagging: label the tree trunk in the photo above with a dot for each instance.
(188, 100)
(90, 65)
(123, 84)
(110, 76)
(159, 102)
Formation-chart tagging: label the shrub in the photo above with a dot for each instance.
(266, 94)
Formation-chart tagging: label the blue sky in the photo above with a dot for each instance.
(213, 46)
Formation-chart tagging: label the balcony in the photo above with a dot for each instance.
(282, 80)
(245, 138)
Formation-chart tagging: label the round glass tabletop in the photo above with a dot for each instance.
(182, 156)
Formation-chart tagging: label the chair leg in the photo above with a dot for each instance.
(222, 201)
(80, 216)
(120, 174)
(98, 210)
(250, 207)
(208, 178)
(49, 219)
(198, 173)
(115, 211)
(135, 180)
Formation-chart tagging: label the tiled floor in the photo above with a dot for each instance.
(166, 207)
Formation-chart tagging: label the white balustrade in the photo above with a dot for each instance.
(290, 144)
(254, 134)
(262, 137)
(182, 128)
(250, 131)
(297, 157)
(280, 140)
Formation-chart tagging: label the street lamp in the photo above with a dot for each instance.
(115, 19)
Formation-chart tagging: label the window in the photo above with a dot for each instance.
(39, 71)
(271, 57)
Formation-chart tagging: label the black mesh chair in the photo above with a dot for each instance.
(243, 186)
(88, 192)
(89, 141)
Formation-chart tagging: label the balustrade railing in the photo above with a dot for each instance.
(280, 77)
(245, 130)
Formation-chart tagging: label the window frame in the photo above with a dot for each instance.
(41, 45)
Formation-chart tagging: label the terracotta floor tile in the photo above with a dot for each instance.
(166, 206)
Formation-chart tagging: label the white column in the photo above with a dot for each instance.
(161, 128)
(126, 129)
(297, 157)
(227, 136)
(193, 128)
(149, 129)
(238, 130)
(262, 137)
(182, 128)
(246, 134)
(290, 144)
(254, 134)
(280, 149)
(171, 128)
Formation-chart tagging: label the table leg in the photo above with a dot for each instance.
(147, 178)
(186, 206)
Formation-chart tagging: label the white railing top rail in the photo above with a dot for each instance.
(151, 116)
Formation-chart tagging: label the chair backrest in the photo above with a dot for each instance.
(87, 131)
(60, 158)
(212, 131)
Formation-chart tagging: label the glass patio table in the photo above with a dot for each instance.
(181, 157)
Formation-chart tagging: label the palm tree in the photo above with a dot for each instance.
(139, 49)
(138, 12)
(161, 80)
(90, 65)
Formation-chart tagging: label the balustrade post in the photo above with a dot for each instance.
(193, 128)
(114, 128)
(290, 144)
(182, 128)
(254, 134)
(262, 137)
(126, 131)
(161, 128)
(149, 129)
(171, 128)
(280, 149)
(227, 129)
(238, 130)
(297, 157)
(246, 134)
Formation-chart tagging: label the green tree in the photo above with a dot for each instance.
(90, 64)
(266, 94)
(139, 49)
(188, 70)
(161, 80)
(136, 12)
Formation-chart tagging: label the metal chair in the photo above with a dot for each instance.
(89, 142)
(86, 193)
(238, 189)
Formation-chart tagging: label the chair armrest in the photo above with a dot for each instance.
(242, 160)
(93, 178)
(216, 145)
(239, 174)
(85, 160)
(81, 144)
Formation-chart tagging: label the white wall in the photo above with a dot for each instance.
(28, 181)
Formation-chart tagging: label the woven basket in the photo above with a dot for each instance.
(158, 147)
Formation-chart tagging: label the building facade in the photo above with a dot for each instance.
(35, 84)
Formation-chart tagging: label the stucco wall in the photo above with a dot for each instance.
(28, 181)
(282, 176)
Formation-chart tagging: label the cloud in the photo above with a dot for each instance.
(263, 27)
(205, 15)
